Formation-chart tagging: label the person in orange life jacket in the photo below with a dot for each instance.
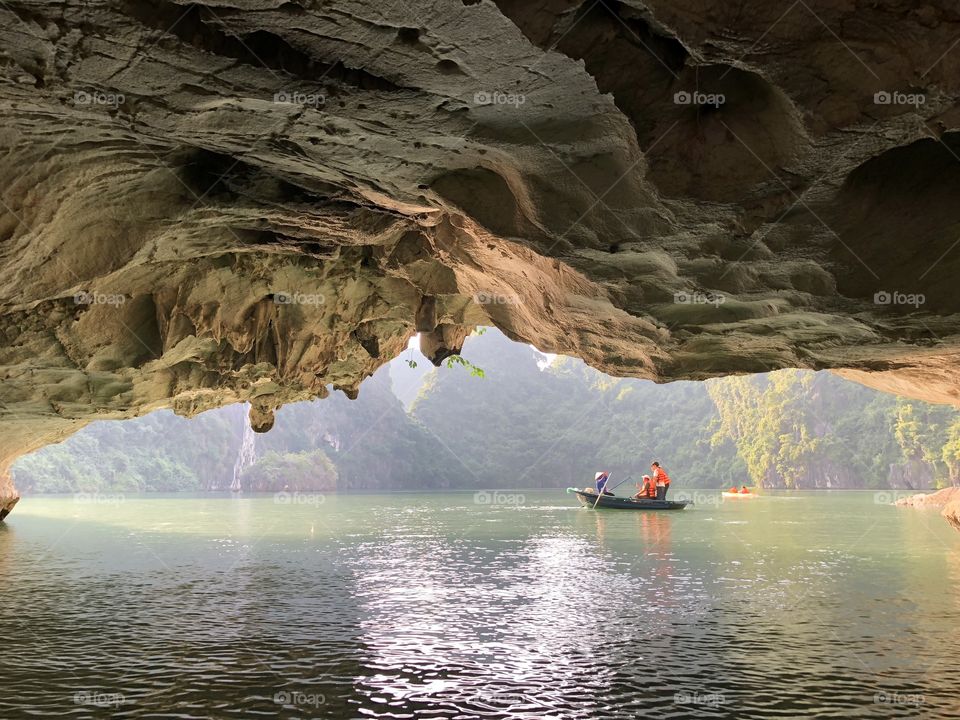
(648, 490)
(662, 480)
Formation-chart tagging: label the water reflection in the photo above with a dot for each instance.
(484, 629)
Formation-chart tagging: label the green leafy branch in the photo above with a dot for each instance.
(460, 360)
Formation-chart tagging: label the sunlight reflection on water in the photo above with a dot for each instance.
(413, 605)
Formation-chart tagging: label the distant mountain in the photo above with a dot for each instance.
(526, 426)
(158, 452)
(370, 442)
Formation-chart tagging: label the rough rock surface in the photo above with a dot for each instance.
(951, 511)
(229, 200)
(948, 499)
(937, 499)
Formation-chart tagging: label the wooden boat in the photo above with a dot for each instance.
(589, 499)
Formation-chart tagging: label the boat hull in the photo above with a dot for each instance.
(622, 503)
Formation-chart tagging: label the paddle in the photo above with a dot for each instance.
(600, 492)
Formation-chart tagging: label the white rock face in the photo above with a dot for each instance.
(210, 203)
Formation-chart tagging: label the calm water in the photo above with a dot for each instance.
(434, 606)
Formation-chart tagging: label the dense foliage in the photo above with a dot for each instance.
(801, 429)
(159, 452)
(293, 472)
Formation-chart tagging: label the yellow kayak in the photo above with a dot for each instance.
(738, 494)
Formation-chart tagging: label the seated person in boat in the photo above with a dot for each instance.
(648, 490)
(743, 490)
(662, 479)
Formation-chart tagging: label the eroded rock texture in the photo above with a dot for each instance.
(210, 202)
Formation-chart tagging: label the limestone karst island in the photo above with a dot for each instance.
(479, 359)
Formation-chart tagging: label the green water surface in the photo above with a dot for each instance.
(515, 604)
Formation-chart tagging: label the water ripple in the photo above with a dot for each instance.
(430, 614)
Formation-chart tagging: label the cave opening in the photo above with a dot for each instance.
(443, 418)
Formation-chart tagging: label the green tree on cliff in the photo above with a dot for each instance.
(951, 452)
